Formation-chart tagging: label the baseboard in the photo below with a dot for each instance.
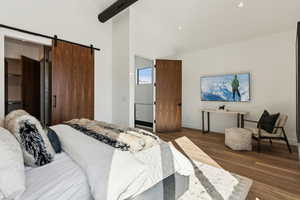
(195, 126)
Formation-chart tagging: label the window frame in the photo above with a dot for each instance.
(138, 76)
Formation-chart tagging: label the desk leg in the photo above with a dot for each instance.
(203, 122)
(208, 122)
(242, 121)
(238, 120)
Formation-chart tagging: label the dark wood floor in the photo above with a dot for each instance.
(276, 172)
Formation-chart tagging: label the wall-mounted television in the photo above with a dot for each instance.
(226, 88)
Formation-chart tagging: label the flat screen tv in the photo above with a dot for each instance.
(226, 88)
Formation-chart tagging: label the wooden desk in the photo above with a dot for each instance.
(240, 117)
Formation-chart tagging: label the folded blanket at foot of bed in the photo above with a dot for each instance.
(123, 138)
(118, 175)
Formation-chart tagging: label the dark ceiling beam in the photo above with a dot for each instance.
(114, 9)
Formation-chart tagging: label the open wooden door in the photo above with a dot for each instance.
(168, 95)
(31, 82)
(72, 82)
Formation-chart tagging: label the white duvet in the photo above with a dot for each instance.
(116, 175)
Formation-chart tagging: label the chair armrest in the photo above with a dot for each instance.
(251, 121)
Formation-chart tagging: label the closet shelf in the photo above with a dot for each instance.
(14, 75)
(13, 102)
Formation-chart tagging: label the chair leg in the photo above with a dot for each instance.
(258, 145)
(286, 140)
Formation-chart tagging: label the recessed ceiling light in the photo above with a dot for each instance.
(180, 28)
(241, 5)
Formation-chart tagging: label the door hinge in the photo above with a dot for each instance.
(154, 102)
(154, 121)
(154, 84)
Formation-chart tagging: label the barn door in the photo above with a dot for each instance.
(72, 82)
(31, 86)
(168, 95)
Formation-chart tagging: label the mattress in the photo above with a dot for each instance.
(62, 179)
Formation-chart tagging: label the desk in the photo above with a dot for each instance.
(240, 117)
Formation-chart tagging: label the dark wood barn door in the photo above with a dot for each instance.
(31, 86)
(72, 82)
(168, 95)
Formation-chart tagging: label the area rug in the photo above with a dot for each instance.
(211, 183)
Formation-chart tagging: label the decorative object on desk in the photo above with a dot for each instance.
(222, 107)
(230, 88)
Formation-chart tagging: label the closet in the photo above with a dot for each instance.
(53, 83)
(24, 78)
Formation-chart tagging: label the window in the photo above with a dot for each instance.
(144, 76)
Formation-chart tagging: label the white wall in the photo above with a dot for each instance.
(120, 69)
(72, 20)
(144, 93)
(16, 49)
(271, 61)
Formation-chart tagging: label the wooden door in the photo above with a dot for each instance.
(83, 81)
(72, 82)
(31, 90)
(168, 95)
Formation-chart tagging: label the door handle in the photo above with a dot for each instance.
(54, 101)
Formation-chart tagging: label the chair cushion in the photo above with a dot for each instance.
(267, 122)
(282, 119)
(264, 133)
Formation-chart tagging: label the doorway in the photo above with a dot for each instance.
(27, 78)
(143, 104)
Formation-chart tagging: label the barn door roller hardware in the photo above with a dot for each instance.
(114, 9)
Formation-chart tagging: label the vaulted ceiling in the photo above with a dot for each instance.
(190, 24)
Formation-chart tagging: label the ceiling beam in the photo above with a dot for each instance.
(114, 9)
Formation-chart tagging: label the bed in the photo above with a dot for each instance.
(63, 179)
(88, 170)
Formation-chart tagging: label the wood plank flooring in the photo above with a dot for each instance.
(276, 172)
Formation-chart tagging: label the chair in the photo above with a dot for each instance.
(277, 134)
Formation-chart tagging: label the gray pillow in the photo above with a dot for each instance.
(54, 140)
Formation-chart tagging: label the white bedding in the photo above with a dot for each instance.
(62, 179)
(118, 175)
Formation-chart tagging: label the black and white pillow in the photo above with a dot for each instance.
(36, 147)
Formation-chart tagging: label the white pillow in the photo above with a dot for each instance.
(12, 115)
(12, 174)
(36, 147)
